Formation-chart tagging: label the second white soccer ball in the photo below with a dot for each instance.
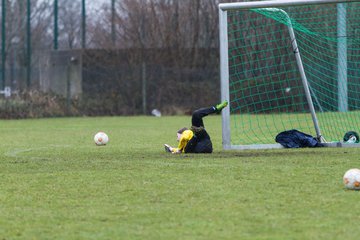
(352, 179)
(101, 138)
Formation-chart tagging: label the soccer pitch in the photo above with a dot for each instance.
(56, 184)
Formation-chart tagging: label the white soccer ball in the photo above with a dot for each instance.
(352, 179)
(101, 139)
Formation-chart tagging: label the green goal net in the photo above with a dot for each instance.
(290, 67)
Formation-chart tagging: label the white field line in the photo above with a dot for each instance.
(14, 153)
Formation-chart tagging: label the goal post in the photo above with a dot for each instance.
(289, 65)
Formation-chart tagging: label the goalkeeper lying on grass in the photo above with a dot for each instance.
(196, 139)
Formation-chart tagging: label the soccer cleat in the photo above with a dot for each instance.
(167, 148)
(220, 106)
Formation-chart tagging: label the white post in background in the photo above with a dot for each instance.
(143, 89)
(342, 58)
(224, 77)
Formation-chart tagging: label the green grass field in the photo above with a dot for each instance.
(56, 184)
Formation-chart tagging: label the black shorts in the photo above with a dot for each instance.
(199, 143)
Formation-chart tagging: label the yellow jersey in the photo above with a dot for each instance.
(185, 138)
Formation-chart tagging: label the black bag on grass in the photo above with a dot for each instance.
(296, 139)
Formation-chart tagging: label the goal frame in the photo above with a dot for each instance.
(272, 5)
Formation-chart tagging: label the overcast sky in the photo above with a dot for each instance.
(90, 4)
(96, 3)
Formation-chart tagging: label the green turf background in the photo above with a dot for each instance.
(56, 184)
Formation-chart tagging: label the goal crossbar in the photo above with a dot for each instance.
(278, 3)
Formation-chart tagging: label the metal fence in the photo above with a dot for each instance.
(111, 82)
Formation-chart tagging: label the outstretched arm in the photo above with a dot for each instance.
(170, 149)
(185, 138)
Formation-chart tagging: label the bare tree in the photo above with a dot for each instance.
(69, 24)
(17, 36)
(16, 23)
